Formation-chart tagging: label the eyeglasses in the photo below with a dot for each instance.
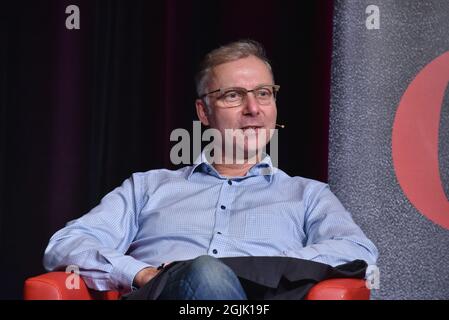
(234, 97)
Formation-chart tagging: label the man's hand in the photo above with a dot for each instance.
(144, 275)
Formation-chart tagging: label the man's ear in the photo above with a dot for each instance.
(202, 111)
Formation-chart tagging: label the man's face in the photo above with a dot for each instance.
(254, 119)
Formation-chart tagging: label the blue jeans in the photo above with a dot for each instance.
(204, 278)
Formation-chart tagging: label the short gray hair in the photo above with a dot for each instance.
(227, 53)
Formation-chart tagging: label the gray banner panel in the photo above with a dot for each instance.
(379, 49)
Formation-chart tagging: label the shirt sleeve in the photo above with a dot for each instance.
(332, 237)
(97, 242)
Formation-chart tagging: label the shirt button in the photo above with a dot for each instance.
(214, 251)
(230, 182)
(223, 207)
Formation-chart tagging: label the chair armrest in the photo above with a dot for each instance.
(339, 289)
(52, 286)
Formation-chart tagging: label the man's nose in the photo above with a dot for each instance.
(251, 105)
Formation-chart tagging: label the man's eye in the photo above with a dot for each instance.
(264, 93)
(232, 95)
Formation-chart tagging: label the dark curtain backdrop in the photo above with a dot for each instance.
(81, 110)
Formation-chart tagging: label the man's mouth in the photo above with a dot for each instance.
(251, 127)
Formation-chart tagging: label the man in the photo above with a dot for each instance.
(223, 206)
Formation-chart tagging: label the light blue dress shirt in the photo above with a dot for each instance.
(163, 215)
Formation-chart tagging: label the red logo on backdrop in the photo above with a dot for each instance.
(415, 141)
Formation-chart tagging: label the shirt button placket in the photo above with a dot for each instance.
(222, 219)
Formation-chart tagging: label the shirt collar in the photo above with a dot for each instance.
(262, 168)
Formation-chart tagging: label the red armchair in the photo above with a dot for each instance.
(51, 286)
